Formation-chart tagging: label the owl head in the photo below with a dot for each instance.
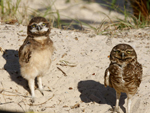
(123, 53)
(38, 26)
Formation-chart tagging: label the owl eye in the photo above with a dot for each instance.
(43, 24)
(117, 51)
(33, 26)
(128, 52)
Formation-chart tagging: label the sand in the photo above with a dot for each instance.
(76, 77)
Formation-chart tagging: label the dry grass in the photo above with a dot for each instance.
(140, 9)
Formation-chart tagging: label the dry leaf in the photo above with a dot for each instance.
(70, 88)
(12, 21)
(65, 106)
(63, 55)
(76, 38)
(75, 106)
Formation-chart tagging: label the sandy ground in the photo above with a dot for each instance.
(82, 85)
(79, 87)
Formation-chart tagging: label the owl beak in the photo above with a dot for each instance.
(122, 55)
(38, 28)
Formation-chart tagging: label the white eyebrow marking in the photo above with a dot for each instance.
(44, 29)
(37, 23)
(40, 23)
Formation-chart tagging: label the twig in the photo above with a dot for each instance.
(41, 103)
(62, 71)
(66, 63)
(2, 91)
(17, 95)
(6, 102)
(75, 106)
(12, 93)
(21, 105)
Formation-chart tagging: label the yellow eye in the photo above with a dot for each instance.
(43, 24)
(128, 52)
(117, 51)
(33, 26)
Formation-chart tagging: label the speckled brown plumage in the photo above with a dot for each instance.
(36, 52)
(124, 73)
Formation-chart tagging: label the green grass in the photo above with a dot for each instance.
(52, 15)
(130, 21)
(8, 9)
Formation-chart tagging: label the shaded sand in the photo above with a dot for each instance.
(83, 57)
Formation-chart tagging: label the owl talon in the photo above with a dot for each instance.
(41, 92)
(32, 100)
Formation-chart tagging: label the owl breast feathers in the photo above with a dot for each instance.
(124, 79)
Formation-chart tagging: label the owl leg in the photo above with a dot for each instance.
(128, 103)
(31, 86)
(117, 102)
(39, 80)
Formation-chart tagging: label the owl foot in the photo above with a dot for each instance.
(116, 110)
(41, 90)
(32, 99)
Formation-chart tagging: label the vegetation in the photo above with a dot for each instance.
(139, 18)
(10, 13)
(9, 10)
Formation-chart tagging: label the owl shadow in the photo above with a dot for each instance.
(13, 68)
(92, 91)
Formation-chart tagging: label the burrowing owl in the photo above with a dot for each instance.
(36, 52)
(124, 73)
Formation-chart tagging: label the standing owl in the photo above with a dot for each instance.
(124, 73)
(36, 52)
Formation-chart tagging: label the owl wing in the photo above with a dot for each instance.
(111, 73)
(106, 78)
(25, 51)
(138, 74)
